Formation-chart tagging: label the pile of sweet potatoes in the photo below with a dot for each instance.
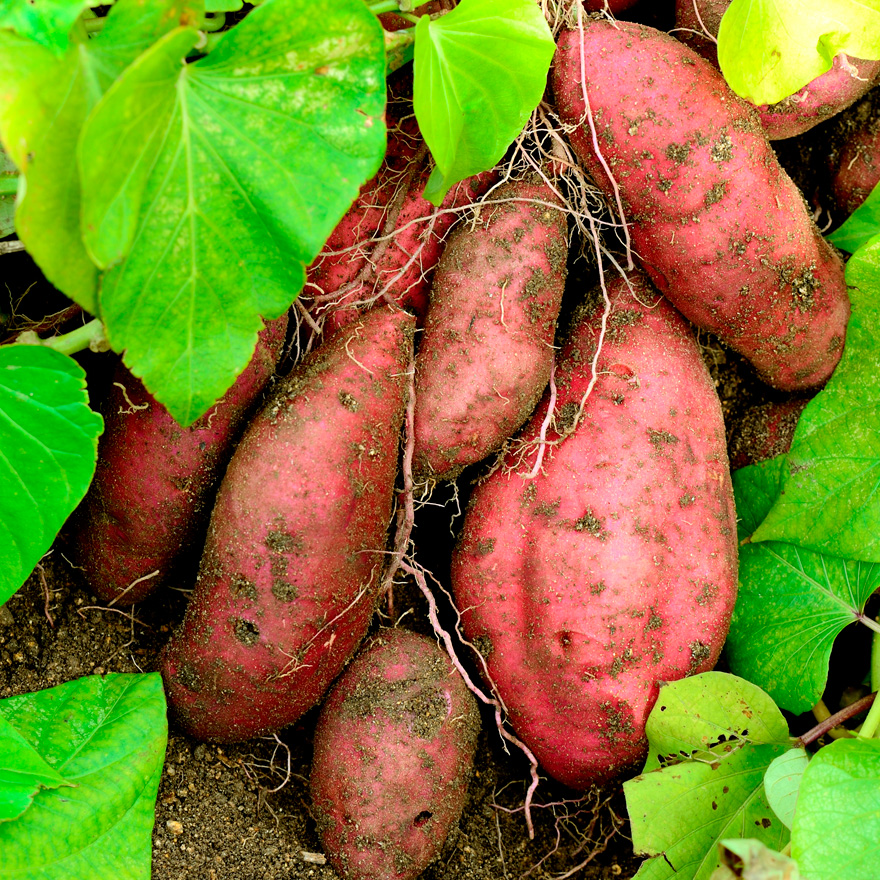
(597, 556)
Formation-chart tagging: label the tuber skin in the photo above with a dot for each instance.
(824, 97)
(394, 750)
(487, 349)
(855, 166)
(615, 568)
(716, 223)
(295, 548)
(764, 431)
(148, 506)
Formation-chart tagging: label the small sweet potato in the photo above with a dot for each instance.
(717, 224)
(147, 508)
(825, 96)
(855, 164)
(485, 355)
(394, 750)
(764, 431)
(615, 568)
(290, 571)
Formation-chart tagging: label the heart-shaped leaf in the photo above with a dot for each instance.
(219, 195)
(106, 737)
(47, 22)
(479, 72)
(48, 450)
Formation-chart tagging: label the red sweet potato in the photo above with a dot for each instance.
(717, 224)
(485, 356)
(764, 431)
(147, 508)
(855, 166)
(394, 750)
(615, 568)
(825, 96)
(291, 567)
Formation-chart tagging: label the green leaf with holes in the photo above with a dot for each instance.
(106, 737)
(479, 73)
(711, 739)
(48, 450)
(217, 182)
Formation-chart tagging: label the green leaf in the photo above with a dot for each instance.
(8, 179)
(782, 782)
(769, 49)
(236, 176)
(44, 102)
(48, 450)
(711, 739)
(749, 859)
(792, 603)
(479, 73)
(861, 226)
(836, 826)
(830, 501)
(107, 736)
(22, 773)
(47, 22)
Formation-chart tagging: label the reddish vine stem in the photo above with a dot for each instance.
(406, 509)
(446, 638)
(834, 720)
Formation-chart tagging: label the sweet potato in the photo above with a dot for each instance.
(291, 566)
(394, 750)
(485, 356)
(717, 224)
(825, 96)
(855, 164)
(764, 431)
(147, 508)
(615, 568)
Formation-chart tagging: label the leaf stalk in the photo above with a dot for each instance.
(91, 335)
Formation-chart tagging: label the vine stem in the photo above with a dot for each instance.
(839, 717)
(90, 335)
(870, 724)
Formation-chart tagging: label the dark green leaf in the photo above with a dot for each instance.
(238, 173)
(479, 73)
(22, 773)
(107, 737)
(47, 22)
(830, 499)
(43, 105)
(756, 488)
(861, 226)
(769, 49)
(837, 823)
(711, 738)
(48, 449)
(782, 782)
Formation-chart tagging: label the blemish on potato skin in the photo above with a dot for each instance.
(246, 631)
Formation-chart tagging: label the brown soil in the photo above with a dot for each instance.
(217, 816)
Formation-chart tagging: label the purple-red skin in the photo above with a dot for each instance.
(292, 563)
(408, 281)
(615, 569)
(147, 508)
(828, 94)
(615, 7)
(394, 749)
(485, 355)
(715, 221)
(857, 169)
(764, 431)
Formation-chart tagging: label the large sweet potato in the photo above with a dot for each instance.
(147, 508)
(717, 224)
(291, 567)
(615, 568)
(485, 356)
(394, 749)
